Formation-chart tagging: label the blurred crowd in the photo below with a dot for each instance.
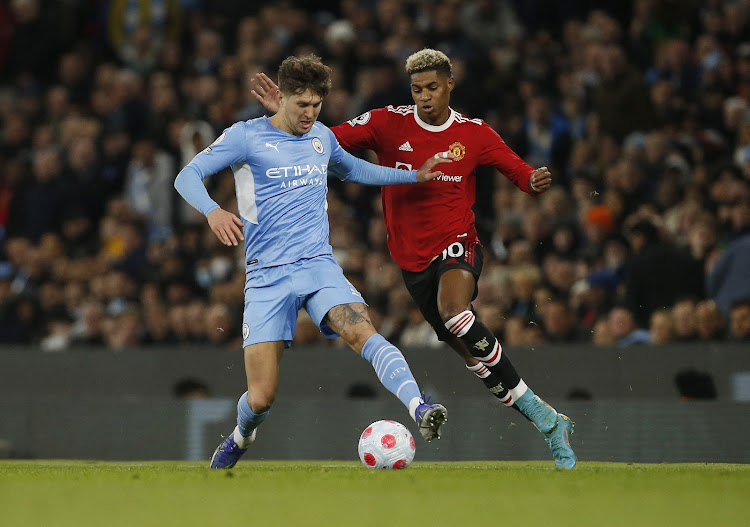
(641, 109)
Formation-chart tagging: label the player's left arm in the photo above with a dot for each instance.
(346, 167)
(540, 180)
(498, 154)
(355, 170)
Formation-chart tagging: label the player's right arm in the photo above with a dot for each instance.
(228, 148)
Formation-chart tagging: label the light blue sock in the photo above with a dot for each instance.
(247, 420)
(392, 369)
(537, 411)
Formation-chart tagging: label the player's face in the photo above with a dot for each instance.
(299, 112)
(431, 92)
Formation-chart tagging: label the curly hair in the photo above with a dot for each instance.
(297, 74)
(428, 59)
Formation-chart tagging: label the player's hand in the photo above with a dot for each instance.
(226, 226)
(541, 179)
(266, 91)
(425, 172)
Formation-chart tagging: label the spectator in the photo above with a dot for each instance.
(37, 206)
(733, 202)
(121, 326)
(546, 136)
(621, 100)
(148, 187)
(709, 321)
(157, 328)
(558, 322)
(8, 330)
(623, 328)
(565, 239)
(21, 320)
(34, 42)
(490, 22)
(683, 315)
(417, 332)
(601, 335)
(598, 224)
(739, 320)
(521, 334)
(658, 273)
(598, 297)
(661, 327)
(702, 237)
(729, 279)
(77, 232)
(195, 315)
(88, 324)
(559, 273)
(523, 281)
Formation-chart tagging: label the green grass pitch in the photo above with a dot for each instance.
(332, 493)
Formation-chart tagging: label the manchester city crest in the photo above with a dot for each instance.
(317, 145)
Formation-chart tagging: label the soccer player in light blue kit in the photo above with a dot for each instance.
(280, 166)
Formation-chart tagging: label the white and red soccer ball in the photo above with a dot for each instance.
(386, 444)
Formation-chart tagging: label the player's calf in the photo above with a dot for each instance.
(494, 368)
(231, 449)
(394, 373)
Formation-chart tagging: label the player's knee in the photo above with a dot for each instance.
(356, 336)
(448, 310)
(261, 401)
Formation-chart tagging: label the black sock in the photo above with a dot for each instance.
(495, 369)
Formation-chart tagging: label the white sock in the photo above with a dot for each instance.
(242, 441)
(413, 407)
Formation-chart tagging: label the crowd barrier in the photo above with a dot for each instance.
(99, 404)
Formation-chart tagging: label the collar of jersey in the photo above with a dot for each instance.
(434, 128)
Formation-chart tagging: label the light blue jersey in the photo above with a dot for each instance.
(281, 184)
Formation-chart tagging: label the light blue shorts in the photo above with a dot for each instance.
(274, 296)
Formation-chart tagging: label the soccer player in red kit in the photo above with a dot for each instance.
(431, 232)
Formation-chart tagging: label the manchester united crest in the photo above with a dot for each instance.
(458, 150)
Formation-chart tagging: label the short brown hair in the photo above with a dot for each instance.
(427, 60)
(297, 74)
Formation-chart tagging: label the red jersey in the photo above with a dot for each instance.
(422, 220)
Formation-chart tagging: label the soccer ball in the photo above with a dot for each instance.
(386, 444)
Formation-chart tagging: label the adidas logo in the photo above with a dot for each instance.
(406, 147)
